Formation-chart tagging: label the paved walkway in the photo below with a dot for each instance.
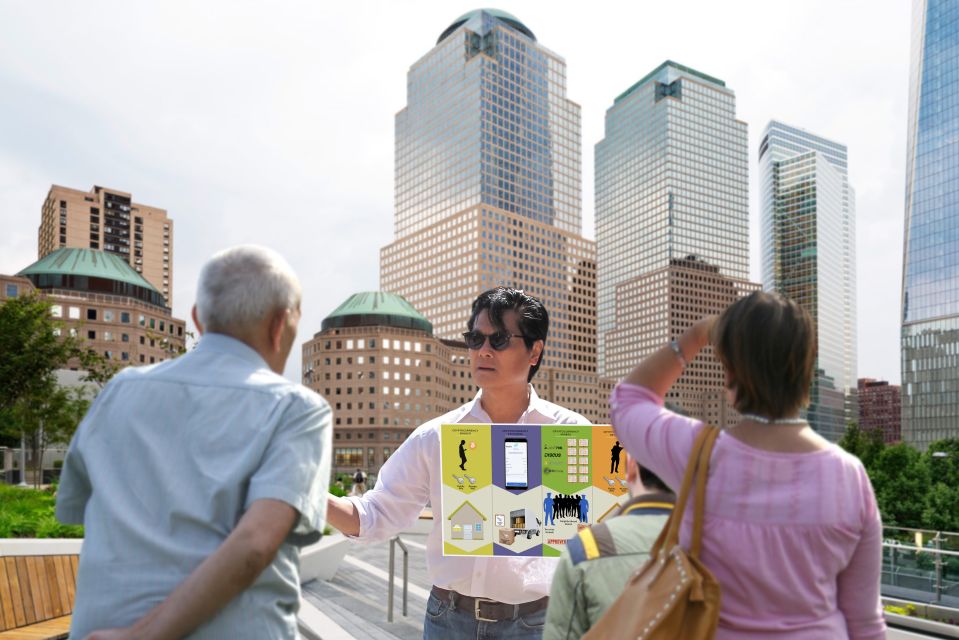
(353, 603)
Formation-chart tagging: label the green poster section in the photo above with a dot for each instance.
(567, 458)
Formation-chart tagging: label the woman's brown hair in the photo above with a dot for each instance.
(767, 343)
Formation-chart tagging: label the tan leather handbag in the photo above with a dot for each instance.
(673, 596)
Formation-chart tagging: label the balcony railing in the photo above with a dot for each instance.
(921, 565)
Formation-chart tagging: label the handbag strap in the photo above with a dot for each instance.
(699, 506)
(669, 536)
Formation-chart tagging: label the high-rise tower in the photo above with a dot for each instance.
(930, 282)
(108, 220)
(808, 228)
(487, 193)
(672, 218)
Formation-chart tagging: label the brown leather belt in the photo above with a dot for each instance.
(488, 610)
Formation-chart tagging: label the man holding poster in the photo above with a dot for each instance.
(501, 597)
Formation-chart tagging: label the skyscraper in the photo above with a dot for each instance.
(672, 219)
(108, 220)
(808, 229)
(930, 282)
(488, 193)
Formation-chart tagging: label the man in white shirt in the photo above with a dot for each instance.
(501, 597)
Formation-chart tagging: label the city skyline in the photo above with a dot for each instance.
(270, 133)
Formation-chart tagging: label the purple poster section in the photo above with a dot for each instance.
(527, 432)
(530, 433)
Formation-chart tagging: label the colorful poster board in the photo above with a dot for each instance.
(525, 489)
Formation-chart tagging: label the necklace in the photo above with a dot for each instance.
(771, 421)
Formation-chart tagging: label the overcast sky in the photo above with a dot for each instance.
(272, 122)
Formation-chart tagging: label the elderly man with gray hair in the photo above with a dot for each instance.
(198, 478)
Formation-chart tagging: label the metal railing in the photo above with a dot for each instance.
(406, 565)
(921, 569)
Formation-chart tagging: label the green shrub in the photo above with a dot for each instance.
(28, 513)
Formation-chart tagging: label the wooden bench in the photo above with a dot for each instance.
(36, 596)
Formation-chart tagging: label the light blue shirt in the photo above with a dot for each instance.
(163, 467)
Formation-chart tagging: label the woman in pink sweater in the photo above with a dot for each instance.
(791, 530)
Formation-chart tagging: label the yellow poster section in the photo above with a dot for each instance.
(467, 489)
(469, 442)
(450, 550)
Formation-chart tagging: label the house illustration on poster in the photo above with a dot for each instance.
(466, 523)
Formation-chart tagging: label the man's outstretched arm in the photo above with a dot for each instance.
(342, 514)
(227, 572)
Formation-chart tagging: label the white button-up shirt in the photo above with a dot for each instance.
(412, 476)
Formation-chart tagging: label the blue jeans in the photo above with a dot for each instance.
(446, 622)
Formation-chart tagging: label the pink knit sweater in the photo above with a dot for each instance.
(793, 538)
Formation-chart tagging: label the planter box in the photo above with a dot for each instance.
(317, 562)
(40, 546)
(321, 560)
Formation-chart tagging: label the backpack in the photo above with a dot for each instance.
(673, 595)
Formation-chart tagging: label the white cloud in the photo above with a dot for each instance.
(273, 122)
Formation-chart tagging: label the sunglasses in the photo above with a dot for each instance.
(499, 340)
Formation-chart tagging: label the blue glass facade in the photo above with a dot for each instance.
(930, 293)
(807, 224)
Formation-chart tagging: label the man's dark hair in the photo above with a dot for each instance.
(533, 319)
(651, 481)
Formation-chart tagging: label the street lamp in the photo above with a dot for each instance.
(940, 454)
(23, 460)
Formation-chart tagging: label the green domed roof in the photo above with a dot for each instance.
(502, 16)
(87, 262)
(90, 271)
(375, 308)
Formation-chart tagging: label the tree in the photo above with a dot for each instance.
(901, 483)
(942, 508)
(32, 347)
(49, 418)
(941, 460)
(98, 369)
(865, 445)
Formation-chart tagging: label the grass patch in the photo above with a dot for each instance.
(28, 513)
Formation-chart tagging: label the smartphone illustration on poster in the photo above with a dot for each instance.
(516, 456)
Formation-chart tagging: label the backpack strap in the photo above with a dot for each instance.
(591, 543)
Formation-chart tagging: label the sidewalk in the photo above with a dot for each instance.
(353, 604)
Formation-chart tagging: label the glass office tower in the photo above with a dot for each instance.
(807, 224)
(930, 283)
(488, 192)
(672, 220)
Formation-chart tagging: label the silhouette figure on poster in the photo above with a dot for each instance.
(614, 458)
(583, 508)
(463, 455)
(548, 509)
